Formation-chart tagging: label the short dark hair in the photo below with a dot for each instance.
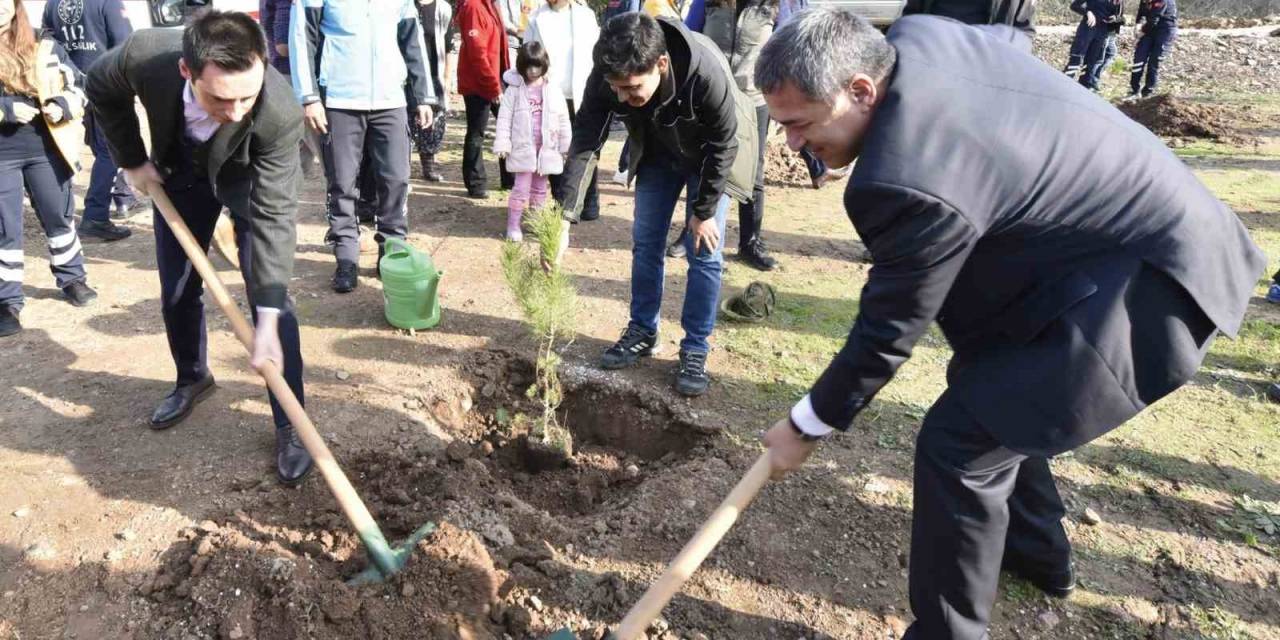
(629, 45)
(229, 39)
(532, 55)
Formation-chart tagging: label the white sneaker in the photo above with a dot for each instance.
(620, 178)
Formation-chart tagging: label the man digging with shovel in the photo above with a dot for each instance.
(1078, 274)
(225, 130)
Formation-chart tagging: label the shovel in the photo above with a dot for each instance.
(385, 560)
(690, 557)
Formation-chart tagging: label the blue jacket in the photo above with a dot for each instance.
(86, 28)
(1158, 14)
(358, 54)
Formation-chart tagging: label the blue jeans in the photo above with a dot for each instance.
(658, 189)
(104, 188)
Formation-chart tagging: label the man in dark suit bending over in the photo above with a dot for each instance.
(225, 129)
(1079, 276)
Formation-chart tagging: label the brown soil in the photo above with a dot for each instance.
(184, 534)
(1170, 117)
(784, 167)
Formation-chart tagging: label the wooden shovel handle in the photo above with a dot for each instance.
(694, 551)
(339, 485)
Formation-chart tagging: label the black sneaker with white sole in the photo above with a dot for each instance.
(691, 374)
(634, 344)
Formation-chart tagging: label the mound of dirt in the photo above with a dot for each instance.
(276, 567)
(784, 167)
(1170, 117)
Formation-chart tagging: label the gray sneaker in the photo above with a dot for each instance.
(691, 375)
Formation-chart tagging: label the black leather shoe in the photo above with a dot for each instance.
(9, 324)
(293, 463)
(104, 230)
(477, 194)
(344, 277)
(1058, 584)
(1273, 391)
(178, 405)
(79, 294)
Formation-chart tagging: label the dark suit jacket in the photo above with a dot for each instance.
(994, 194)
(253, 164)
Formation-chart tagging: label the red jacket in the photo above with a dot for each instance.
(483, 55)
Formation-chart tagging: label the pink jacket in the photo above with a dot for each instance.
(515, 130)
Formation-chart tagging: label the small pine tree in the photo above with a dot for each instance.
(547, 300)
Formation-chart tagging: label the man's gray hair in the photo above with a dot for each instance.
(820, 50)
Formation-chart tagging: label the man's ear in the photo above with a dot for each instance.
(664, 63)
(863, 90)
(184, 69)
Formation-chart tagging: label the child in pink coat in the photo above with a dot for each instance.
(533, 132)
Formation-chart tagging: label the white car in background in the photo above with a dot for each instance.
(881, 13)
(154, 13)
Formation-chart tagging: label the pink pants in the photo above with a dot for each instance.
(530, 189)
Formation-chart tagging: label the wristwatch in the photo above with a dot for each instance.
(807, 437)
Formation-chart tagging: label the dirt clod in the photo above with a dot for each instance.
(1171, 117)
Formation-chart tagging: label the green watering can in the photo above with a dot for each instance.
(410, 286)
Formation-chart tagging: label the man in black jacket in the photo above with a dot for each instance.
(1078, 274)
(673, 90)
(225, 130)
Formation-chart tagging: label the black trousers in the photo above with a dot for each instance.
(386, 133)
(591, 202)
(181, 288)
(978, 502)
(975, 502)
(474, 175)
(751, 214)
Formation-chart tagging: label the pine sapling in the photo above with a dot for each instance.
(547, 300)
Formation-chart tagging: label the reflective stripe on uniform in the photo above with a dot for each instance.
(58, 242)
(59, 259)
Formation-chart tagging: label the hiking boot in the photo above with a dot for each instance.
(1273, 293)
(104, 230)
(344, 277)
(634, 344)
(430, 170)
(757, 256)
(691, 374)
(9, 324)
(1273, 391)
(79, 294)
